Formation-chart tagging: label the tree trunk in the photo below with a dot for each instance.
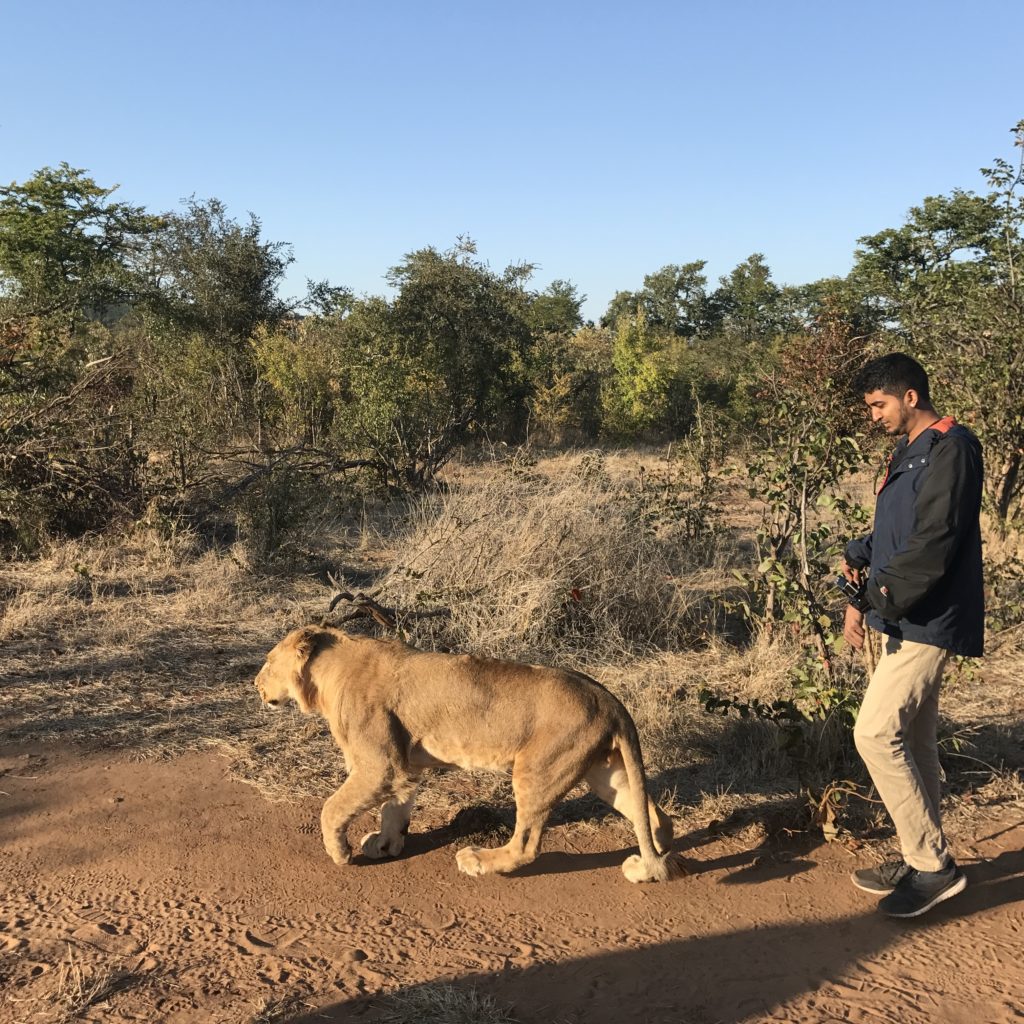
(1007, 485)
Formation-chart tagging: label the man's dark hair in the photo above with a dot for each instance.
(894, 374)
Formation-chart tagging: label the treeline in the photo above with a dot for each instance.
(148, 364)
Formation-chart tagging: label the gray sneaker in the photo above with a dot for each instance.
(919, 891)
(882, 879)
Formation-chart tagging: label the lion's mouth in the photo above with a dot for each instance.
(273, 704)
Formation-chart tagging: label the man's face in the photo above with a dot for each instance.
(893, 413)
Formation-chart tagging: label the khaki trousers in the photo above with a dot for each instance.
(896, 735)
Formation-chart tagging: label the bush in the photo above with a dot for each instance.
(551, 568)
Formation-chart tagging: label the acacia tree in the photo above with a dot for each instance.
(66, 250)
(949, 282)
(68, 257)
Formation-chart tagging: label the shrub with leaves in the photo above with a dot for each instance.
(950, 280)
(809, 444)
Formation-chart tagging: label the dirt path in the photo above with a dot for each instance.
(197, 900)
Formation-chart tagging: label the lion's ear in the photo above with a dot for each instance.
(306, 641)
(305, 689)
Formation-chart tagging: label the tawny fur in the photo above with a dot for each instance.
(395, 711)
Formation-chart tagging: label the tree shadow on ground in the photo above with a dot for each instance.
(720, 978)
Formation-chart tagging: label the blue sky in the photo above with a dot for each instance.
(597, 140)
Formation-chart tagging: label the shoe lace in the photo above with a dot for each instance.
(892, 871)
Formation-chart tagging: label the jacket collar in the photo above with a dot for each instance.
(937, 429)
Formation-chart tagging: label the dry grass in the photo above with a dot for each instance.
(150, 645)
(439, 1003)
(277, 1011)
(79, 988)
(557, 567)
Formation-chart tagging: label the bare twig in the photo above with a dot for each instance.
(363, 605)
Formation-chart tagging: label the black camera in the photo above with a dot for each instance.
(855, 593)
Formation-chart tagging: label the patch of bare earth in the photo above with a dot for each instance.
(167, 891)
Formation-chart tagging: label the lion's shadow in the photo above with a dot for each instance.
(491, 825)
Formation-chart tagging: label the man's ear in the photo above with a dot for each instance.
(911, 398)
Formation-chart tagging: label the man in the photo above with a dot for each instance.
(920, 568)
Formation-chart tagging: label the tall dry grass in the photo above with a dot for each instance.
(557, 567)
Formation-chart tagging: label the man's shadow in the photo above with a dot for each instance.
(990, 883)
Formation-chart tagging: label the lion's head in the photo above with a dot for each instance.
(285, 674)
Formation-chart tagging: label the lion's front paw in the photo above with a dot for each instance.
(377, 845)
(469, 861)
(338, 851)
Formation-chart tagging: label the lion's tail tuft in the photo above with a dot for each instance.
(648, 865)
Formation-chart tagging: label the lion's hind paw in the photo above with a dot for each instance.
(663, 869)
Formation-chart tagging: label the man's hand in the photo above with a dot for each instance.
(853, 627)
(853, 575)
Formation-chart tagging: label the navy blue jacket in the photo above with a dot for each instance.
(925, 550)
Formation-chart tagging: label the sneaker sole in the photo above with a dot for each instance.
(953, 889)
(882, 890)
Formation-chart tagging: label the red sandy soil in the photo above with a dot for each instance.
(217, 905)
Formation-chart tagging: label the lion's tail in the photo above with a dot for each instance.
(649, 866)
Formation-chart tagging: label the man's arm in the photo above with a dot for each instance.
(947, 508)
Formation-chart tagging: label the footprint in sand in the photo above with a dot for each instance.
(107, 937)
(9, 943)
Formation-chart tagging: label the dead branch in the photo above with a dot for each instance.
(362, 605)
(366, 605)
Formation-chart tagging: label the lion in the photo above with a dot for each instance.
(395, 710)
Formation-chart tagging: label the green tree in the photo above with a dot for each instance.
(801, 306)
(949, 284)
(673, 300)
(447, 355)
(556, 310)
(749, 301)
(636, 395)
(300, 373)
(213, 283)
(66, 249)
(68, 256)
(567, 375)
(215, 276)
(325, 300)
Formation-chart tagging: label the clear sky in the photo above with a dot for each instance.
(597, 140)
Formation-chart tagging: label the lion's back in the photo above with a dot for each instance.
(515, 699)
